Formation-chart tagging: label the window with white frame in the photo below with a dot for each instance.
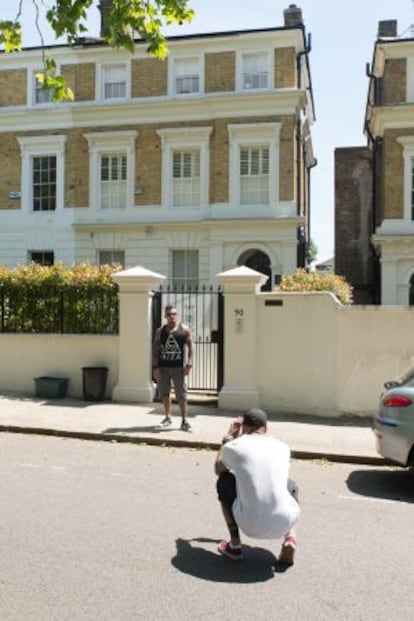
(255, 71)
(254, 163)
(254, 175)
(44, 182)
(41, 96)
(408, 176)
(114, 81)
(187, 76)
(42, 257)
(184, 268)
(186, 178)
(111, 169)
(185, 166)
(111, 257)
(42, 179)
(113, 178)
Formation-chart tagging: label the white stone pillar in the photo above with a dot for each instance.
(135, 336)
(388, 281)
(240, 286)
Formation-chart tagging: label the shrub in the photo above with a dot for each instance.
(38, 298)
(313, 281)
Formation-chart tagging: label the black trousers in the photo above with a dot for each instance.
(226, 488)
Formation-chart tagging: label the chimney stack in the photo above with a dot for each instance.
(387, 28)
(293, 16)
(105, 7)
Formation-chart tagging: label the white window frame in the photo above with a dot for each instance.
(249, 179)
(241, 58)
(198, 59)
(101, 81)
(184, 279)
(40, 146)
(109, 143)
(183, 181)
(407, 143)
(180, 139)
(43, 253)
(112, 252)
(248, 135)
(32, 88)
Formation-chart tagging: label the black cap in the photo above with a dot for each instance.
(255, 418)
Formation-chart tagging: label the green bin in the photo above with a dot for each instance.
(51, 387)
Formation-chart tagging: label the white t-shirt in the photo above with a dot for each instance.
(264, 508)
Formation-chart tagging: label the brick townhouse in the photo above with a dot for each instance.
(374, 185)
(188, 166)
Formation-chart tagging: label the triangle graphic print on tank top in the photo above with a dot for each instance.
(172, 347)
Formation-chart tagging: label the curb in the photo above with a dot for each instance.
(177, 443)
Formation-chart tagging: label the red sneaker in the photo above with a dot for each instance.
(226, 549)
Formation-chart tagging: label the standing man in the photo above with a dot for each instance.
(171, 363)
(253, 487)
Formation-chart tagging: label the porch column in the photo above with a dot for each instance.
(135, 336)
(240, 286)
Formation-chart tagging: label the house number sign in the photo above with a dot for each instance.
(238, 320)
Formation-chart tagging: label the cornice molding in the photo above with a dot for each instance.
(153, 110)
(391, 117)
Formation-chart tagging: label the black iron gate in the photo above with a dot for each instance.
(203, 310)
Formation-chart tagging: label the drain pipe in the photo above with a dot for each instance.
(299, 150)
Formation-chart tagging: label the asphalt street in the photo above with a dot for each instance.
(94, 530)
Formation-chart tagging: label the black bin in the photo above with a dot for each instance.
(94, 383)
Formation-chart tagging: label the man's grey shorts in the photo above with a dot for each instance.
(177, 377)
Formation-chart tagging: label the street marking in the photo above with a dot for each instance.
(117, 474)
(59, 468)
(364, 498)
(29, 465)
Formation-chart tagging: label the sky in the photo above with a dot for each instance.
(343, 33)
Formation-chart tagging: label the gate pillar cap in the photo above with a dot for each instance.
(138, 277)
(241, 278)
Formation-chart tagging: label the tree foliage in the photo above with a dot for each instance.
(125, 21)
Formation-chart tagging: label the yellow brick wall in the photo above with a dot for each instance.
(10, 167)
(219, 162)
(81, 79)
(84, 81)
(392, 186)
(148, 165)
(394, 81)
(76, 170)
(285, 67)
(13, 87)
(148, 162)
(220, 72)
(149, 77)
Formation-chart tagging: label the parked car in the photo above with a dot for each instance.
(394, 421)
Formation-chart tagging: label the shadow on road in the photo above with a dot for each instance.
(192, 558)
(386, 484)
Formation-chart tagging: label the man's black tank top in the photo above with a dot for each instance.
(172, 347)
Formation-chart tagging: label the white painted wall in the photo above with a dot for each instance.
(26, 356)
(286, 352)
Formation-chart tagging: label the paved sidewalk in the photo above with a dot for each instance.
(345, 439)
